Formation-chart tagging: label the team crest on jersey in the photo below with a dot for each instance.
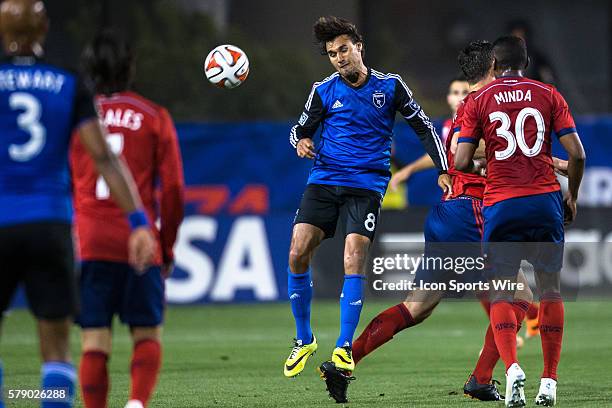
(378, 99)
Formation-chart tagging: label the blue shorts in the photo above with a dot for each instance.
(109, 288)
(456, 220)
(453, 229)
(524, 228)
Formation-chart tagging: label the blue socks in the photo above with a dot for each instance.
(351, 302)
(299, 288)
(59, 376)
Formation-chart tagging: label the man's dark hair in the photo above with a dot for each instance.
(107, 62)
(475, 60)
(510, 53)
(327, 28)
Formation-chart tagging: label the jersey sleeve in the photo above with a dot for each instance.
(409, 108)
(170, 173)
(83, 108)
(468, 123)
(563, 122)
(309, 120)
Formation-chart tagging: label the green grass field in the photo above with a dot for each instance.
(232, 356)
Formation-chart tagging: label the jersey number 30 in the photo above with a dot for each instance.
(519, 132)
(28, 121)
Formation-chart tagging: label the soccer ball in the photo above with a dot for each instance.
(226, 66)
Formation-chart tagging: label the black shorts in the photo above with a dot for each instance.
(41, 256)
(322, 205)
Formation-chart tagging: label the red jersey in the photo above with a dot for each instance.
(143, 134)
(516, 116)
(446, 129)
(463, 183)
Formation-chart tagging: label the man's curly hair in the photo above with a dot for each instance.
(475, 60)
(327, 28)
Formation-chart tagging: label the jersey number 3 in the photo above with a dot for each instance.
(519, 132)
(29, 122)
(115, 143)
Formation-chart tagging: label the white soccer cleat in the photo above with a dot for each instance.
(547, 396)
(134, 404)
(515, 386)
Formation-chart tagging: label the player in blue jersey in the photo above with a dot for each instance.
(356, 108)
(40, 106)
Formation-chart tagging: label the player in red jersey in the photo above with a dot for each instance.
(522, 202)
(457, 90)
(454, 225)
(144, 135)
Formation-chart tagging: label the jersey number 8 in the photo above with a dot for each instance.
(519, 132)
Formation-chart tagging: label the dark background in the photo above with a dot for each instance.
(419, 40)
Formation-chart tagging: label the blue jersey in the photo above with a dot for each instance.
(40, 105)
(357, 129)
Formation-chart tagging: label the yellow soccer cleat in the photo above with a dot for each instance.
(299, 355)
(342, 357)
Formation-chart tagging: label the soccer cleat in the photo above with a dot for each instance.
(482, 392)
(515, 386)
(533, 328)
(336, 381)
(299, 355)
(134, 404)
(342, 357)
(547, 395)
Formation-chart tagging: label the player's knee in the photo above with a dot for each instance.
(299, 259)
(55, 339)
(354, 261)
(548, 283)
(524, 294)
(418, 310)
(146, 333)
(96, 339)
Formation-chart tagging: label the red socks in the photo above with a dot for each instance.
(93, 376)
(146, 362)
(382, 329)
(551, 331)
(487, 360)
(489, 355)
(520, 307)
(504, 326)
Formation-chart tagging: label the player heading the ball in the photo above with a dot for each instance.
(356, 107)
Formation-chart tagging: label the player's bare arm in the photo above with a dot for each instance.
(422, 163)
(464, 159)
(575, 169)
(123, 189)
